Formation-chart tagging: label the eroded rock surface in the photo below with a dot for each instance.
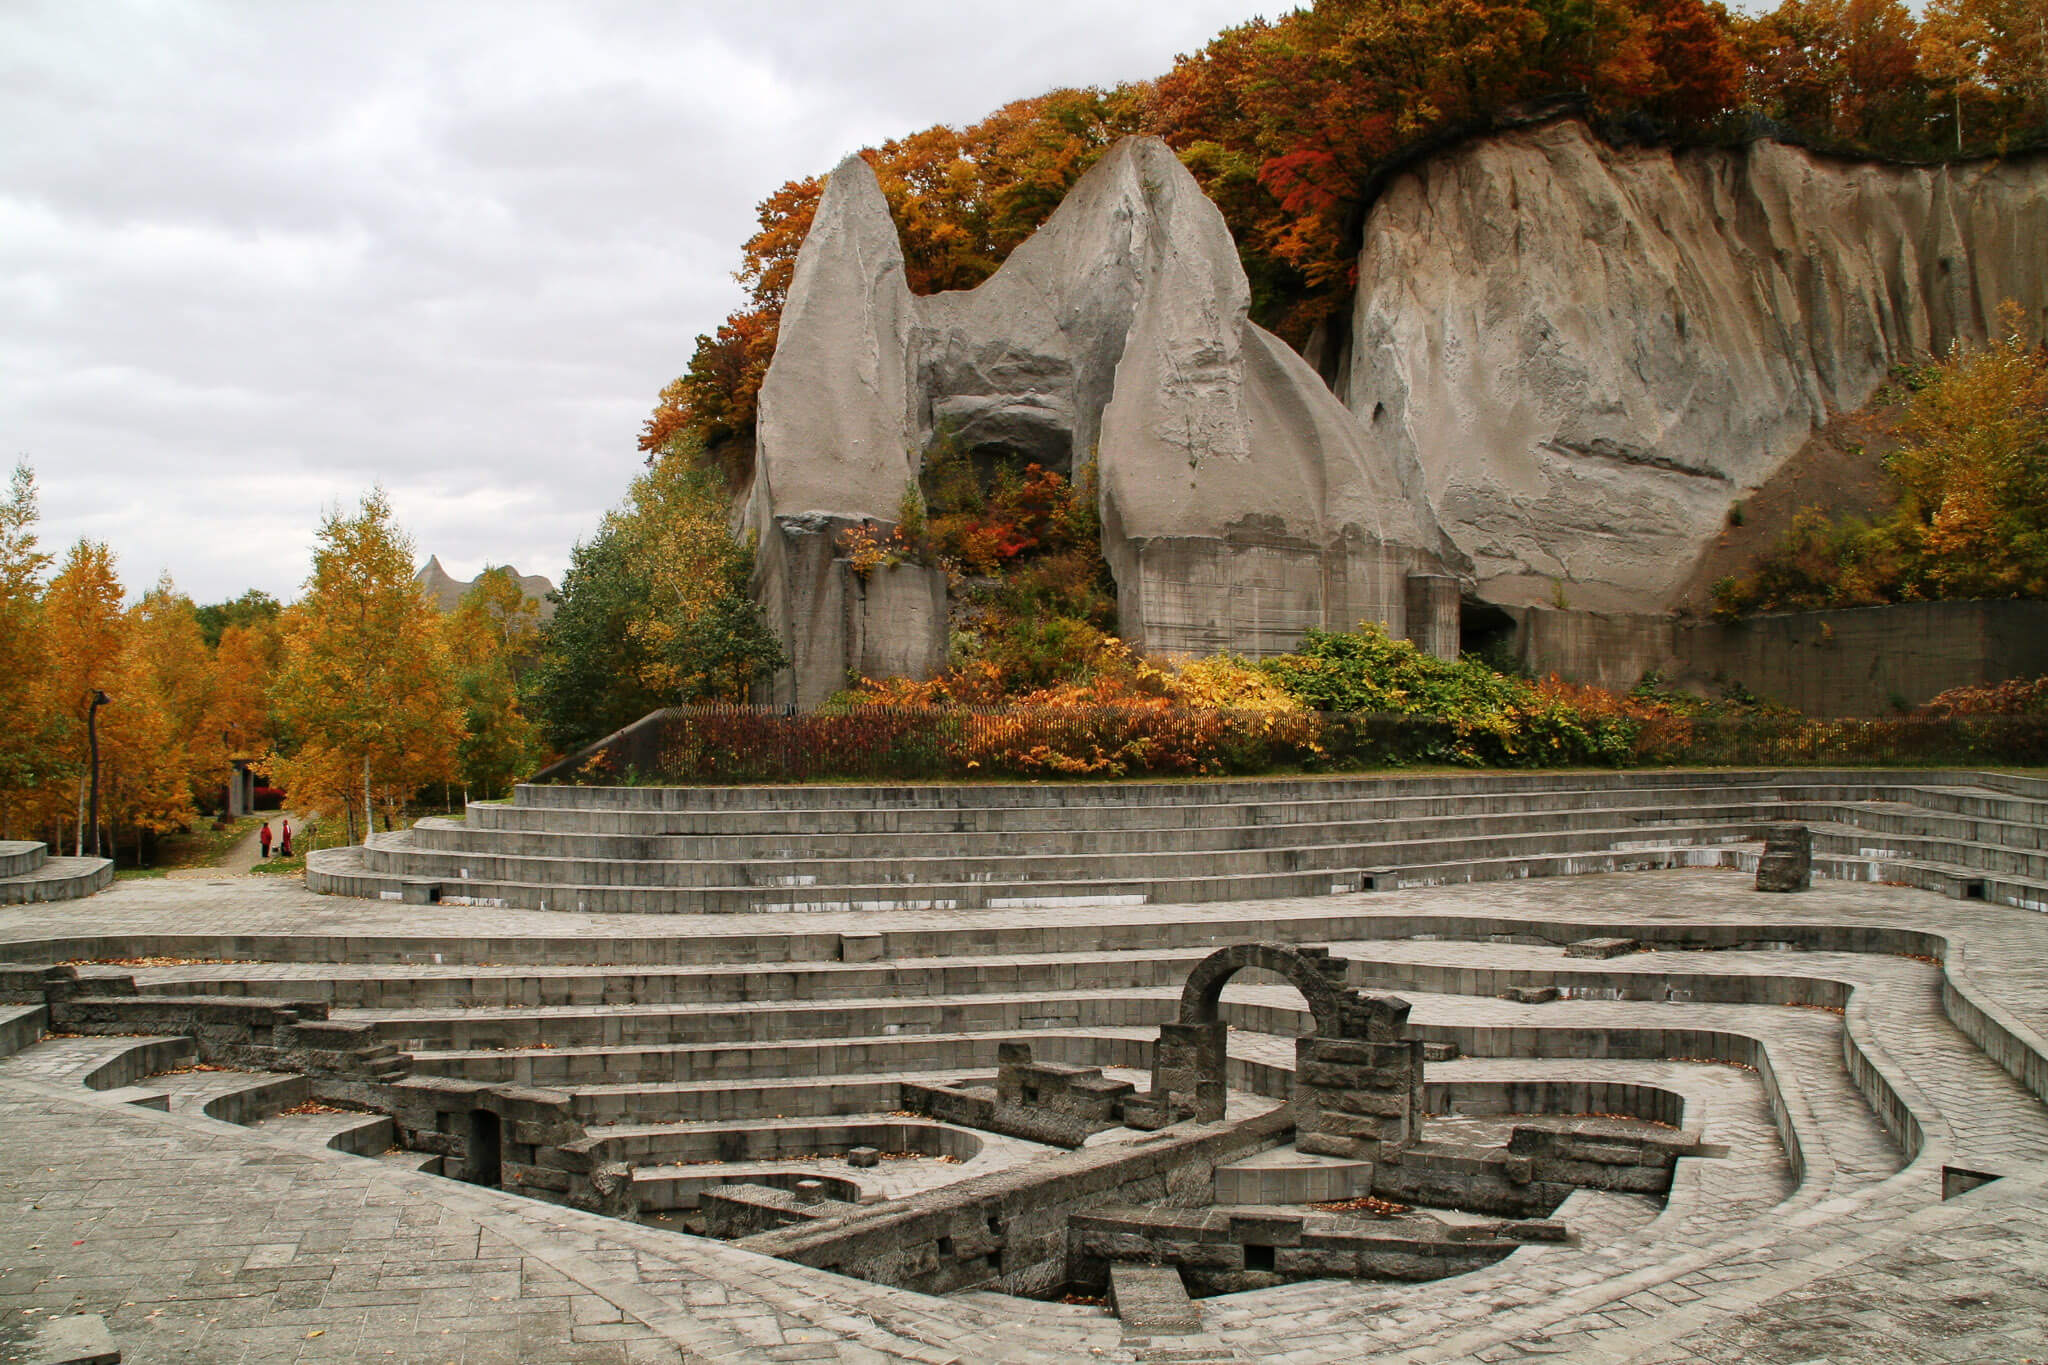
(1240, 502)
(1593, 352)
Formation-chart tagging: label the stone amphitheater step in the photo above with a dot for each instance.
(1005, 884)
(732, 850)
(505, 1004)
(1086, 827)
(28, 874)
(985, 855)
(238, 1097)
(363, 1134)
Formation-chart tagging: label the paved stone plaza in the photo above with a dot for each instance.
(1815, 1230)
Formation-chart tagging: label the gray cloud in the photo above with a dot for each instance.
(256, 257)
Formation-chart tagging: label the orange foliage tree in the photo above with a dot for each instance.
(32, 727)
(244, 665)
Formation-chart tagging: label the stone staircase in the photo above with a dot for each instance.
(1816, 1042)
(1006, 847)
(29, 874)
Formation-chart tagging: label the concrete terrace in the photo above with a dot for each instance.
(1830, 1045)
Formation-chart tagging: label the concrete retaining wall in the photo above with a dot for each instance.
(1861, 661)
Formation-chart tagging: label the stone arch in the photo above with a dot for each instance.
(1312, 971)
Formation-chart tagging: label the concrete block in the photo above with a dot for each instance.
(77, 1339)
(860, 946)
(1530, 995)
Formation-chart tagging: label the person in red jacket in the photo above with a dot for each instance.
(284, 840)
(263, 838)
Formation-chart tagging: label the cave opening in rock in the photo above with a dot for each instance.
(1487, 632)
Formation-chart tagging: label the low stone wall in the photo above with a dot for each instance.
(764, 1203)
(1221, 1251)
(259, 1033)
(531, 1143)
(1006, 1231)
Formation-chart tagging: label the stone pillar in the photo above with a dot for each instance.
(1433, 617)
(1188, 1069)
(241, 789)
(1359, 1095)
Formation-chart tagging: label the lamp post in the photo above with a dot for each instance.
(92, 735)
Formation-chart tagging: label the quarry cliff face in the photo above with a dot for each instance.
(1592, 353)
(1567, 362)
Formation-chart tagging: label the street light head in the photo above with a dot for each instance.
(100, 698)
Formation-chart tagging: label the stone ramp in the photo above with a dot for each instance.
(1150, 1300)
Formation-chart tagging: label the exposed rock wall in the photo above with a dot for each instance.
(1240, 502)
(1593, 352)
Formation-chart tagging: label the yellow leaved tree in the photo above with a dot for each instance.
(32, 728)
(173, 662)
(492, 636)
(364, 701)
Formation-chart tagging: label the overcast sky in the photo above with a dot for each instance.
(256, 257)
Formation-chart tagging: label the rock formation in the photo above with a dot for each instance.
(1241, 504)
(445, 592)
(1593, 352)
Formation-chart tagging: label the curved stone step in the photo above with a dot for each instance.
(57, 879)
(350, 872)
(956, 796)
(369, 1135)
(1285, 1176)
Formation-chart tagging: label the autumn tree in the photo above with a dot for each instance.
(1971, 474)
(32, 725)
(83, 617)
(365, 703)
(1841, 72)
(174, 663)
(254, 609)
(244, 666)
(1996, 51)
(653, 611)
(146, 748)
(492, 636)
(1972, 468)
